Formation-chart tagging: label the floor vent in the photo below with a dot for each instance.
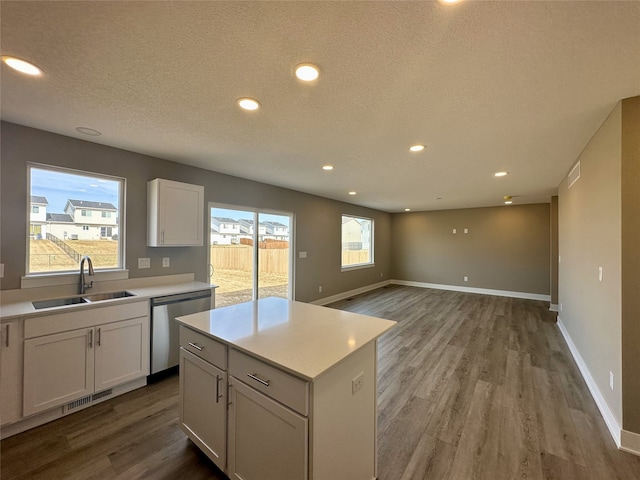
(81, 402)
(574, 174)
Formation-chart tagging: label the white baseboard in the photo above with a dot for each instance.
(554, 307)
(630, 442)
(350, 293)
(482, 291)
(607, 414)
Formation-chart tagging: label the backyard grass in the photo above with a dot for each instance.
(47, 256)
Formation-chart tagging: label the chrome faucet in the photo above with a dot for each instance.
(83, 285)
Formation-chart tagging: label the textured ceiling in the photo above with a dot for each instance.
(487, 86)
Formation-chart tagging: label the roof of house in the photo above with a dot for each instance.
(225, 219)
(95, 205)
(40, 200)
(59, 217)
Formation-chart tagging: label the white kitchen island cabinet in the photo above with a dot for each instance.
(302, 389)
(175, 214)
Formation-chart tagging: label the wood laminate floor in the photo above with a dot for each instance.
(470, 387)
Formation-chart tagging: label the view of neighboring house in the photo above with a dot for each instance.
(355, 233)
(227, 231)
(38, 217)
(81, 220)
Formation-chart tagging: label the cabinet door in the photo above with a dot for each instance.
(203, 406)
(176, 214)
(57, 369)
(267, 441)
(122, 352)
(11, 349)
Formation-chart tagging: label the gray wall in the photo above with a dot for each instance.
(630, 172)
(507, 248)
(318, 220)
(589, 237)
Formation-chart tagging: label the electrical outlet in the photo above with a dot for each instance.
(302, 254)
(1, 270)
(454, 231)
(611, 380)
(357, 383)
(600, 273)
(165, 262)
(466, 230)
(144, 263)
(466, 279)
(381, 274)
(320, 289)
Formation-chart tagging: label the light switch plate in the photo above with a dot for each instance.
(302, 254)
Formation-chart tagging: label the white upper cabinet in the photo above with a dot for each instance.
(175, 214)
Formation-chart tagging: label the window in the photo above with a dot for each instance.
(357, 242)
(106, 214)
(35, 209)
(58, 242)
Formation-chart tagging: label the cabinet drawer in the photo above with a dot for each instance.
(204, 347)
(281, 386)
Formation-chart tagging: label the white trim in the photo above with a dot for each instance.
(482, 291)
(357, 266)
(630, 442)
(607, 414)
(350, 293)
(554, 307)
(50, 280)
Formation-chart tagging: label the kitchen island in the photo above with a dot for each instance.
(278, 389)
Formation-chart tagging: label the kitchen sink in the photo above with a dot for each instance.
(97, 297)
(57, 302)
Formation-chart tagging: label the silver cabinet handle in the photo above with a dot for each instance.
(218, 394)
(258, 379)
(6, 338)
(90, 338)
(196, 346)
(98, 336)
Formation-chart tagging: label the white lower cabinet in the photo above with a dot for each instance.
(57, 369)
(267, 441)
(203, 406)
(62, 367)
(11, 353)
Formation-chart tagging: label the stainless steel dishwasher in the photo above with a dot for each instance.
(165, 341)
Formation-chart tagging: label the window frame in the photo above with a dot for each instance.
(357, 266)
(59, 277)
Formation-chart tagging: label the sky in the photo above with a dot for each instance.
(58, 187)
(244, 215)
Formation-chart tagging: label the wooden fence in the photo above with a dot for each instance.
(239, 257)
(355, 257)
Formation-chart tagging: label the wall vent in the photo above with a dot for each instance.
(574, 174)
(81, 402)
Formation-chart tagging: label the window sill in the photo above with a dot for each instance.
(69, 278)
(357, 267)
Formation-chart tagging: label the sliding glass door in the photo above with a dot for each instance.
(249, 254)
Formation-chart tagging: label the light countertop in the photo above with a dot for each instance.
(299, 337)
(18, 306)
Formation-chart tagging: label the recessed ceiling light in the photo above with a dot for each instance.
(88, 131)
(352, 193)
(248, 103)
(407, 209)
(307, 72)
(438, 198)
(507, 200)
(417, 148)
(327, 167)
(449, 2)
(500, 174)
(22, 66)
